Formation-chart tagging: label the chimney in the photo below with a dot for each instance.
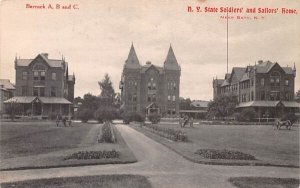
(148, 62)
(260, 62)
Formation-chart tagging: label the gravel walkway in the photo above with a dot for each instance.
(163, 167)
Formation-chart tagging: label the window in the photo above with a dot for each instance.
(134, 98)
(174, 86)
(129, 97)
(154, 86)
(149, 98)
(252, 96)
(277, 81)
(287, 96)
(169, 97)
(53, 92)
(35, 91)
(149, 86)
(174, 98)
(24, 75)
(43, 75)
(262, 81)
(35, 75)
(154, 98)
(53, 76)
(262, 95)
(287, 82)
(24, 91)
(42, 91)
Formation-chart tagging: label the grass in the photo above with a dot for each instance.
(32, 138)
(27, 145)
(264, 182)
(268, 146)
(107, 181)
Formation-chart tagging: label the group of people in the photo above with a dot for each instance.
(186, 120)
(63, 119)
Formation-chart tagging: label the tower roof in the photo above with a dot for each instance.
(171, 61)
(132, 60)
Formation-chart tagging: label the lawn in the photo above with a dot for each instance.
(32, 138)
(268, 146)
(111, 181)
(264, 182)
(26, 145)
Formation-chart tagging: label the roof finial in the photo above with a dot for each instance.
(294, 66)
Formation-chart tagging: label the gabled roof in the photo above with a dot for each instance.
(238, 72)
(50, 62)
(171, 61)
(288, 70)
(265, 67)
(218, 81)
(147, 66)
(225, 83)
(245, 77)
(6, 84)
(132, 61)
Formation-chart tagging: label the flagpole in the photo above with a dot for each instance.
(227, 42)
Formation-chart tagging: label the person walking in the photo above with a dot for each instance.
(57, 119)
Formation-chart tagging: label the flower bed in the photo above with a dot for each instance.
(84, 155)
(168, 133)
(224, 154)
(107, 134)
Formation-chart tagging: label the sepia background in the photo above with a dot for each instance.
(95, 39)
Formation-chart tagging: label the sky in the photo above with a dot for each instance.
(95, 38)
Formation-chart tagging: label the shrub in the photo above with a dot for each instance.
(85, 114)
(154, 118)
(290, 116)
(129, 117)
(224, 154)
(247, 114)
(105, 113)
(138, 117)
(107, 134)
(52, 116)
(93, 155)
(169, 133)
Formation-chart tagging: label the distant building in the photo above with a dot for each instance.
(149, 88)
(198, 109)
(7, 91)
(267, 87)
(43, 86)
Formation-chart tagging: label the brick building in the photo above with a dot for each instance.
(43, 86)
(149, 88)
(7, 91)
(267, 87)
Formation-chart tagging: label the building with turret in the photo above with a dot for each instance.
(266, 86)
(43, 87)
(150, 88)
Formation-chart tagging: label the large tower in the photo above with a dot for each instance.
(172, 82)
(130, 83)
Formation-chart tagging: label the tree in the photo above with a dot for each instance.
(222, 106)
(107, 90)
(185, 104)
